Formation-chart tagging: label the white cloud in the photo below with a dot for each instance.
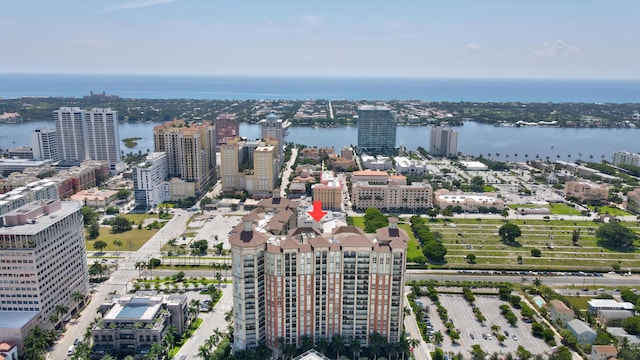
(309, 20)
(558, 47)
(137, 5)
(472, 47)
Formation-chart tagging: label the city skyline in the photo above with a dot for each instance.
(460, 39)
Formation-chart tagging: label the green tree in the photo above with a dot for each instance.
(374, 219)
(562, 353)
(99, 245)
(477, 184)
(438, 338)
(575, 237)
(477, 352)
(471, 258)
(120, 224)
(536, 252)
(615, 235)
(94, 230)
(434, 251)
(123, 194)
(88, 215)
(337, 344)
(632, 325)
(438, 354)
(509, 232)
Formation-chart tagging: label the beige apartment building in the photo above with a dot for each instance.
(586, 191)
(190, 149)
(329, 191)
(388, 192)
(249, 165)
(314, 284)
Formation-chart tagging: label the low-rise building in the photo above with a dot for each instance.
(474, 166)
(469, 202)
(586, 191)
(378, 162)
(560, 312)
(131, 323)
(95, 198)
(609, 317)
(8, 351)
(619, 334)
(608, 304)
(582, 331)
(390, 193)
(603, 352)
(406, 166)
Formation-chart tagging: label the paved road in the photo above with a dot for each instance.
(422, 351)
(287, 171)
(212, 320)
(118, 282)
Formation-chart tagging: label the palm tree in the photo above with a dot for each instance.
(204, 352)
(537, 282)
(376, 343)
(403, 345)
(78, 297)
(322, 344)
(228, 316)
(495, 328)
(337, 344)
(438, 337)
(82, 351)
(354, 346)
(61, 309)
(219, 279)
(117, 243)
(413, 343)
(306, 343)
(140, 265)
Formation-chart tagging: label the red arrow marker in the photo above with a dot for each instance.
(317, 214)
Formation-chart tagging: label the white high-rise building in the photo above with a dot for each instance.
(272, 127)
(44, 143)
(149, 183)
(444, 142)
(626, 158)
(43, 257)
(70, 122)
(103, 138)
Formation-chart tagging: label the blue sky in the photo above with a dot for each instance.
(419, 38)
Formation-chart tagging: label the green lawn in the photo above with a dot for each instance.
(358, 221)
(563, 209)
(137, 236)
(611, 211)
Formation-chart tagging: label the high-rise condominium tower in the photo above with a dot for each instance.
(272, 127)
(71, 136)
(44, 142)
(443, 142)
(190, 149)
(308, 284)
(227, 127)
(376, 129)
(103, 138)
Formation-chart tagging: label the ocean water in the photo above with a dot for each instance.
(300, 88)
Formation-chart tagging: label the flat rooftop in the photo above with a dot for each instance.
(16, 319)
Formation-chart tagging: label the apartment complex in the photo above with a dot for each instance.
(44, 263)
(131, 323)
(227, 126)
(44, 144)
(586, 191)
(190, 150)
(250, 166)
(376, 129)
(443, 142)
(273, 128)
(626, 158)
(388, 192)
(318, 285)
(329, 191)
(103, 138)
(150, 188)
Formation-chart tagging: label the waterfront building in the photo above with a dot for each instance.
(376, 129)
(388, 192)
(329, 191)
(626, 158)
(307, 283)
(44, 142)
(190, 150)
(250, 166)
(103, 138)
(227, 126)
(131, 323)
(443, 142)
(149, 185)
(406, 166)
(468, 202)
(272, 127)
(8, 166)
(70, 122)
(586, 191)
(20, 152)
(43, 254)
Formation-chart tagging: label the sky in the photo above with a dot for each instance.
(565, 39)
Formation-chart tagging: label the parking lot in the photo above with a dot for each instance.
(471, 331)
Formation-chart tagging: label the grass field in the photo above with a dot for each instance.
(138, 237)
(563, 209)
(553, 238)
(611, 211)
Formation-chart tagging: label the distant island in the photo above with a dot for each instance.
(131, 142)
(333, 113)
